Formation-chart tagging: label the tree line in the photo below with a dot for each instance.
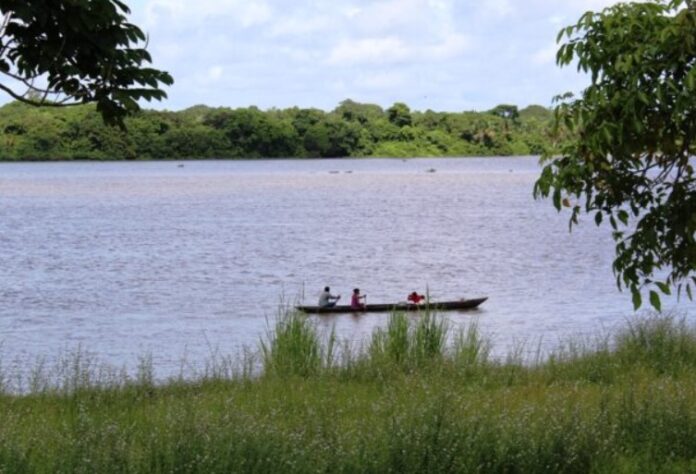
(352, 129)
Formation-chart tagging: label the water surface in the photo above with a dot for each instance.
(124, 259)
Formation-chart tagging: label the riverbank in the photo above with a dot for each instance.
(350, 130)
(406, 402)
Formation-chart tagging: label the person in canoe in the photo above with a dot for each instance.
(415, 298)
(326, 299)
(357, 300)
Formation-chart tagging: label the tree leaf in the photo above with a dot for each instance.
(86, 50)
(623, 216)
(637, 300)
(655, 301)
(628, 133)
(557, 199)
(663, 287)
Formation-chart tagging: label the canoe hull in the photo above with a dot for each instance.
(373, 308)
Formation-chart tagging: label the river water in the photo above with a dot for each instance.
(182, 260)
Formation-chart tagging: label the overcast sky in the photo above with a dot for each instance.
(445, 55)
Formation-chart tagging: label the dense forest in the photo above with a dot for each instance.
(351, 129)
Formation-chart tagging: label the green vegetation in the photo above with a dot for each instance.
(56, 53)
(632, 139)
(352, 129)
(407, 402)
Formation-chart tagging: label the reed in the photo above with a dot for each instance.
(390, 346)
(409, 402)
(665, 344)
(293, 348)
(469, 348)
(428, 339)
(405, 345)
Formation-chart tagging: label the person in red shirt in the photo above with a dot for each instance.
(415, 298)
(355, 302)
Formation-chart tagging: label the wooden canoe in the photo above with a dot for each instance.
(433, 306)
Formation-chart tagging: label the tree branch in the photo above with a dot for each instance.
(23, 99)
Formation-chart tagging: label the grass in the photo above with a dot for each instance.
(418, 398)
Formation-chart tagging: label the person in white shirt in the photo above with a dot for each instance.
(326, 299)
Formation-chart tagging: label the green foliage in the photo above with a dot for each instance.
(304, 119)
(665, 345)
(470, 348)
(251, 133)
(332, 137)
(628, 158)
(403, 150)
(293, 348)
(399, 114)
(392, 345)
(352, 129)
(408, 344)
(506, 111)
(354, 111)
(86, 51)
(535, 112)
(457, 413)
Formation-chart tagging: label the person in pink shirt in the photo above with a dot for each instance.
(355, 299)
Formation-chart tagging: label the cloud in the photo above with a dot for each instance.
(369, 50)
(546, 55)
(498, 8)
(390, 15)
(590, 4)
(440, 54)
(298, 55)
(178, 14)
(301, 25)
(452, 46)
(251, 14)
(391, 50)
(215, 73)
(380, 80)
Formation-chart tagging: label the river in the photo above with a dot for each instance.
(184, 260)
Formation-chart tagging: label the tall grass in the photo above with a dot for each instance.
(419, 398)
(404, 345)
(293, 348)
(664, 344)
(470, 349)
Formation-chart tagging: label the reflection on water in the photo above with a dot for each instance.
(126, 259)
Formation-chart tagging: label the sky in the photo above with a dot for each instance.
(444, 55)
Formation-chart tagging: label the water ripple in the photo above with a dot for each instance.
(134, 258)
